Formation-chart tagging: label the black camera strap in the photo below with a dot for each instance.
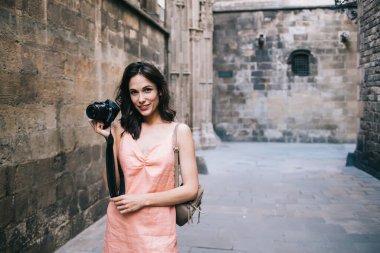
(110, 168)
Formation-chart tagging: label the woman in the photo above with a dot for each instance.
(143, 220)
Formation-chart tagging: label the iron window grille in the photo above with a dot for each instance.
(300, 62)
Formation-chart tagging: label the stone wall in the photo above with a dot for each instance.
(239, 5)
(57, 56)
(368, 145)
(256, 95)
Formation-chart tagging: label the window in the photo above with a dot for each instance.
(300, 65)
(225, 74)
(300, 61)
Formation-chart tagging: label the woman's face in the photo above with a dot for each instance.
(144, 95)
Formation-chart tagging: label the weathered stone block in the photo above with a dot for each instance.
(54, 13)
(6, 215)
(95, 212)
(45, 195)
(94, 192)
(21, 206)
(83, 199)
(87, 10)
(43, 171)
(64, 186)
(9, 4)
(93, 175)
(62, 40)
(146, 52)
(7, 147)
(86, 47)
(16, 241)
(258, 73)
(10, 88)
(3, 240)
(54, 64)
(68, 18)
(47, 244)
(78, 159)
(38, 142)
(78, 225)
(72, 208)
(259, 86)
(24, 177)
(7, 178)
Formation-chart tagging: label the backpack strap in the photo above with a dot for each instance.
(177, 168)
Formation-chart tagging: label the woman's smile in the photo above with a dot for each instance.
(143, 107)
(144, 96)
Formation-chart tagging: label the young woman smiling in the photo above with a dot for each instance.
(143, 220)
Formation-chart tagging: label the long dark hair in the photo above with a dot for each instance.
(131, 119)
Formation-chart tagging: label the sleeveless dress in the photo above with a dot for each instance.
(150, 229)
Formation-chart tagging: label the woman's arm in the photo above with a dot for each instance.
(188, 191)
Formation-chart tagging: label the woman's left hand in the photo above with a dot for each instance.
(129, 203)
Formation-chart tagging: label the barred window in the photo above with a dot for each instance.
(300, 61)
(300, 65)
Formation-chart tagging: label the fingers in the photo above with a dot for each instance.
(120, 202)
(124, 209)
(99, 128)
(117, 198)
(124, 205)
(96, 125)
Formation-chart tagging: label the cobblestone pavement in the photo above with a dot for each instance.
(276, 198)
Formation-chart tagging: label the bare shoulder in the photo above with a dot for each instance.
(183, 129)
(184, 135)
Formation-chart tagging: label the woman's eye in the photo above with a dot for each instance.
(133, 92)
(147, 90)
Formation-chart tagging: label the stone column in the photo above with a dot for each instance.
(178, 59)
(190, 66)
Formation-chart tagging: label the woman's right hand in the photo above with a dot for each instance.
(98, 128)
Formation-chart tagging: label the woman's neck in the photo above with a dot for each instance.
(153, 119)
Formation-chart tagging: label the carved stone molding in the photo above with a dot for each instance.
(195, 33)
(180, 3)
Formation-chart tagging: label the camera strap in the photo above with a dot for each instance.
(111, 170)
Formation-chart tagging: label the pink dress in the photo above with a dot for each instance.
(150, 229)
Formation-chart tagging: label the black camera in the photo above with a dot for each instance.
(104, 112)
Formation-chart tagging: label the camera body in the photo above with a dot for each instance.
(105, 112)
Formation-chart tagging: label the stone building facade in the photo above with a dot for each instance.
(367, 153)
(284, 71)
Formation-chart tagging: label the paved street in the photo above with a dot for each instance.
(276, 198)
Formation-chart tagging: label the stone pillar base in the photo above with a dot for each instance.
(205, 137)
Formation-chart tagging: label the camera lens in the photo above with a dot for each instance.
(104, 112)
(91, 111)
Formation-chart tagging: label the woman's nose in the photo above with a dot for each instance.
(141, 98)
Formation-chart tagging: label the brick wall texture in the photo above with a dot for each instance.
(58, 56)
(368, 144)
(256, 95)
